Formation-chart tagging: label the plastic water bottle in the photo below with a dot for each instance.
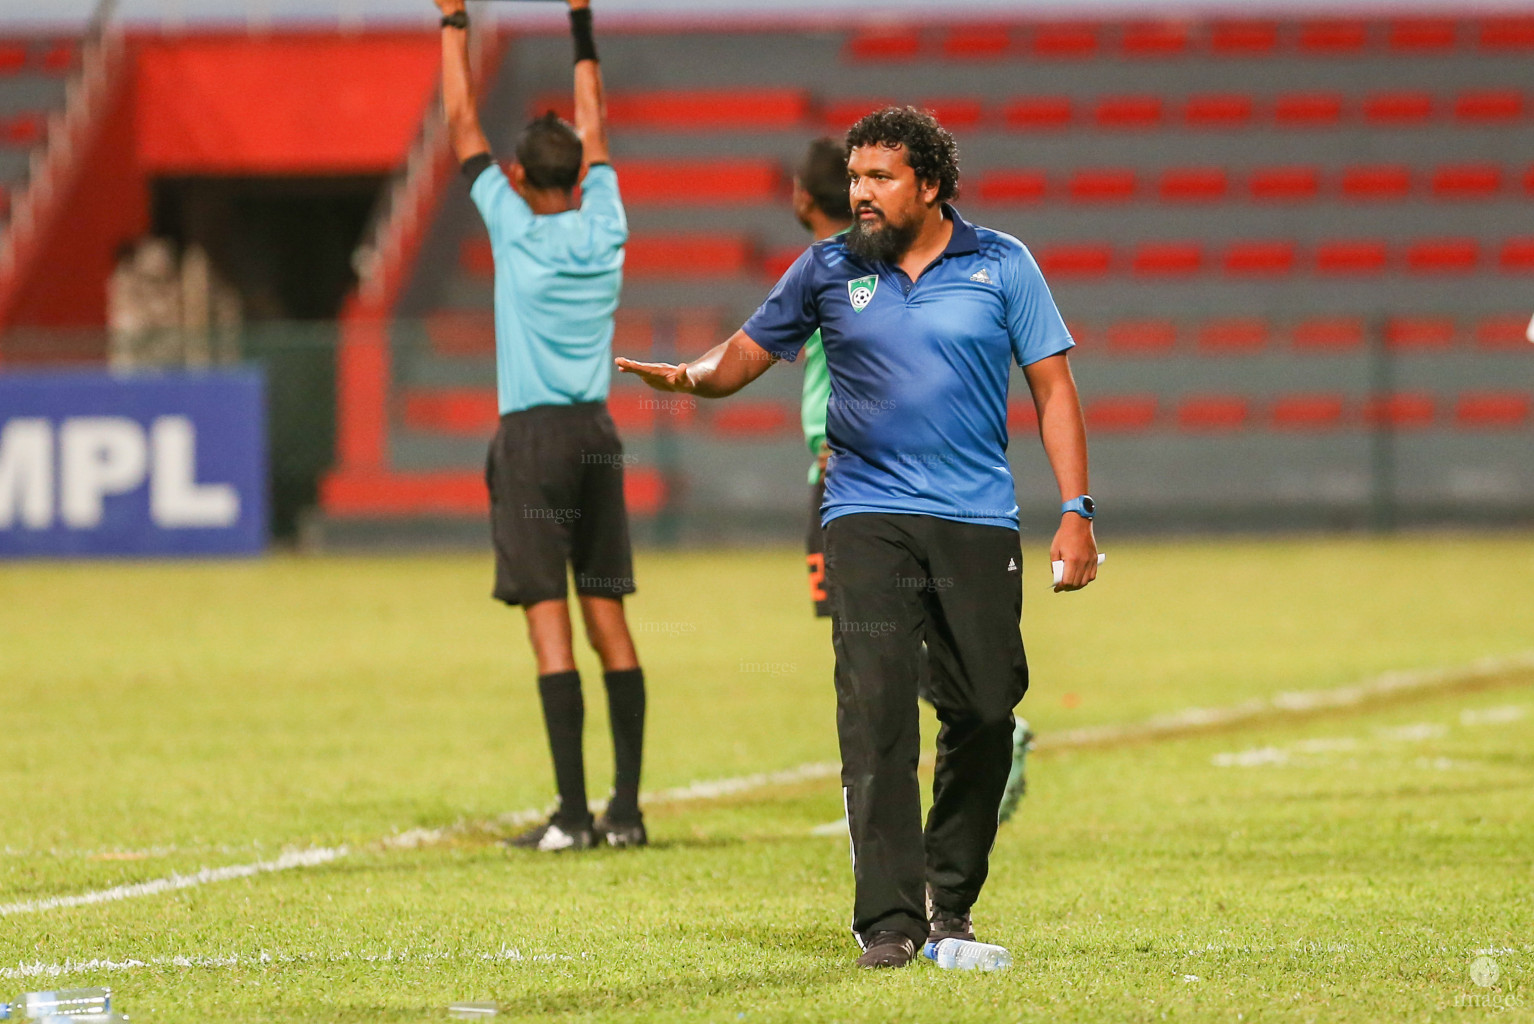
(967, 955)
(81, 1018)
(69, 1002)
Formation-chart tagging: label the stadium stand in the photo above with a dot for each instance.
(32, 84)
(1240, 218)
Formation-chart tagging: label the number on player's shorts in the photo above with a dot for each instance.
(817, 563)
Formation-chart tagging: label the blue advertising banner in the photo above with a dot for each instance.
(165, 464)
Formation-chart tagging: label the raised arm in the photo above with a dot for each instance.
(1065, 443)
(719, 372)
(590, 106)
(463, 127)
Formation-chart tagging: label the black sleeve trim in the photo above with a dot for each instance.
(475, 165)
(580, 31)
(601, 163)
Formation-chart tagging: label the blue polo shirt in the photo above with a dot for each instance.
(557, 279)
(917, 420)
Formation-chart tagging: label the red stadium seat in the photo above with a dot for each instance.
(977, 42)
(1021, 415)
(637, 411)
(1402, 411)
(1307, 110)
(1333, 38)
(1076, 260)
(1107, 185)
(1126, 414)
(475, 258)
(754, 418)
(1308, 412)
(1328, 334)
(1394, 108)
(5, 202)
(1434, 332)
(22, 130)
(1249, 259)
(1012, 187)
(1467, 181)
(1443, 256)
(1422, 35)
(1517, 256)
(701, 182)
(1128, 113)
(1492, 410)
(1528, 181)
(1285, 183)
(1489, 106)
(1503, 332)
(1163, 259)
(1064, 41)
(1155, 39)
(1507, 34)
(839, 115)
(1213, 413)
(1142, 337)
(1243, 38)
(645, 491)
(1193, 184)
(692, 255)
(955, 111)
(1038, 113)
(60, 57)
(471, 411)
(1351, 257)
(697, 110)
(775, 262)
(1389, 181)
(461, 332)
(1218, 110)
(1231, 337)
(884, 44)
(13, 58)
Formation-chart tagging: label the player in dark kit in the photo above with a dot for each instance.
(921, 315)
(555, 468)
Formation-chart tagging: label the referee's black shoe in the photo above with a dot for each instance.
(888, 949)
(619, 833)
(554, 836)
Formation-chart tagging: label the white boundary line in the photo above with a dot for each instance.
(1188, 720)
(38, 969)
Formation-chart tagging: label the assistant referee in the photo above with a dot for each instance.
(555, 468)
(921, 315)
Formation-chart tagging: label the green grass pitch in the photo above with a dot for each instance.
(1342, 864)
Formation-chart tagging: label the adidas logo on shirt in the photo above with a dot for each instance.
(981, 276)
(1012, 565)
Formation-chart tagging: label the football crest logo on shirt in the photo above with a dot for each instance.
(861, 291)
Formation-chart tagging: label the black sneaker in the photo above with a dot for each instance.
(888, 949)
(554, 836)
(948, 925)
(618, 833)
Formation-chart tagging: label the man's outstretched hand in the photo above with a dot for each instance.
(660, 376)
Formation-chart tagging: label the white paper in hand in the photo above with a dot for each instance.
(1059, 567)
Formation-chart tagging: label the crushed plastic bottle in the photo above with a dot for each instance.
(70, 1003)
(967, 955)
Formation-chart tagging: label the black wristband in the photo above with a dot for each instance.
(458, 19)
(580, 31)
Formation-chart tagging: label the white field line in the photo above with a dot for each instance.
(1178, 722)
(1296, 702)
(38, 969)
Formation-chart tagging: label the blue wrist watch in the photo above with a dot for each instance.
(1083, 506)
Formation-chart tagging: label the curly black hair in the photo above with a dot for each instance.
(929, 148)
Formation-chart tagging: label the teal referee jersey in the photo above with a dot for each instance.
(557, 279)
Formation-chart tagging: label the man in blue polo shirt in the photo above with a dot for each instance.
(555, 468)
(921, 315)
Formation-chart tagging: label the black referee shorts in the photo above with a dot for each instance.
(555, 474)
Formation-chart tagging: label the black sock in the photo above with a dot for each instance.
(625, 707)
(564, 713)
